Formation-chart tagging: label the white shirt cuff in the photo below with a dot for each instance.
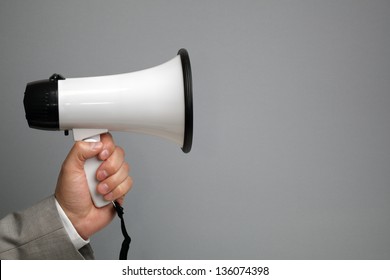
(76, 239)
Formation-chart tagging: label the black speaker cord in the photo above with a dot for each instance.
(126, 242)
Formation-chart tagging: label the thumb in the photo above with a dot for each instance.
(82, 151)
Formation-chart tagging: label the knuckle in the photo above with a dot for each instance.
(126, 167)
(120, 150)
(123, 188)
(110, 165)
(129, 182)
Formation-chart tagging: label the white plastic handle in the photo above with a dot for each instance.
(90, 167)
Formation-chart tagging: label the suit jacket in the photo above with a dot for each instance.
(38, 233)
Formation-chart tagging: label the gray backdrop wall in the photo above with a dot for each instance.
(291, 154)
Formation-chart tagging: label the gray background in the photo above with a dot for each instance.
(291, 154)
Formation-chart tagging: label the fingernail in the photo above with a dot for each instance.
(104, 154)
(96, 146)
(101, 175)
(103, 188)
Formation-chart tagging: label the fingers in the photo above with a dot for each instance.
(119, 191)
(111, 165)
(108, 146)
(117, 185)
(113, 173)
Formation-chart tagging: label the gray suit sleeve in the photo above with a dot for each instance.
(38, 233)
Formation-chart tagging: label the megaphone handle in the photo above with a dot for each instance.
(90, 167)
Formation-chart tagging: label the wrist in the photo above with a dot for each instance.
(74, 215)
(78, 240)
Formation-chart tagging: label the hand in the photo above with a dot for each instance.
(72, 191)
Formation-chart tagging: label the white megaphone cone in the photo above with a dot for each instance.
(155, 101)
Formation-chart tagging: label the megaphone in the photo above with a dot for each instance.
(155, 101)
